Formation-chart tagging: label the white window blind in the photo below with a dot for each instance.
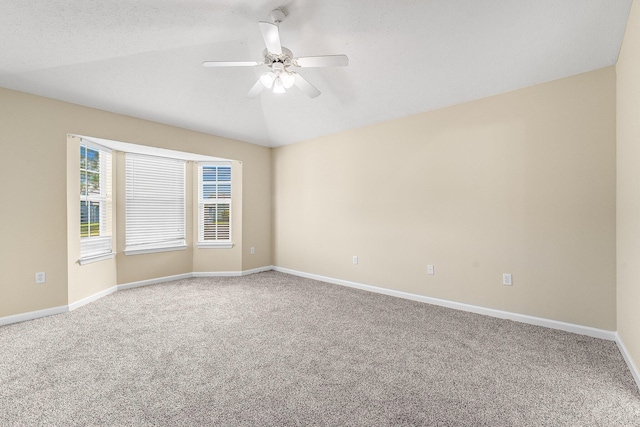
(155, 203)
(95, 200)
(214, 203)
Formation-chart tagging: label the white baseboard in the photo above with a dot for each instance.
(231, 273)
(92, 298)
(554, 324)
(217, 273)
(257, 270)
(523, 318)
(31, 315)
(627, 358)
(154, 281)
(21, 317)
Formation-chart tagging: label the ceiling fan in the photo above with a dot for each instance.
(281, 62)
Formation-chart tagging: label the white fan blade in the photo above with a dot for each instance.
(255, 90)
(322, 61)
(271, 36)
(306, 87)
(230, 63)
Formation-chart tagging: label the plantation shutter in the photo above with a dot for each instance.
(95, 200)
(214, 204)
(155, 203)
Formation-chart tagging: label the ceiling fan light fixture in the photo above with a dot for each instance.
(287, 79)
(267, 80)
(278, 87)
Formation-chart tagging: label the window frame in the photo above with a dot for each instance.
(100, 247)
(202, 242)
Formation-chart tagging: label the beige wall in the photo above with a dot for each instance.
(33, 207)
(34, 186)
(628, 186)
(520, 183)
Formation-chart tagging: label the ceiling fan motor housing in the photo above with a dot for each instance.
(286, 58)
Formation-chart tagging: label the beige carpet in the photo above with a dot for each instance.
(276, 350)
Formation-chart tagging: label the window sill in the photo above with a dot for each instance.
(154, 250)
(96, 258)
(215, 245)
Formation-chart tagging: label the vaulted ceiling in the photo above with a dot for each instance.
(143, 58)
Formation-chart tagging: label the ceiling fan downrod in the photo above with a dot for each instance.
(277, 15)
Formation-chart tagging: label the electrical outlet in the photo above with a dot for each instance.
(41, 277)
(355, 259)
(506, 279)
(253, 250)
(430, 269)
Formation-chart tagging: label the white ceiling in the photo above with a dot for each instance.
(143, 58)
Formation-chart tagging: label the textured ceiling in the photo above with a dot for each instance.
(143, 58)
